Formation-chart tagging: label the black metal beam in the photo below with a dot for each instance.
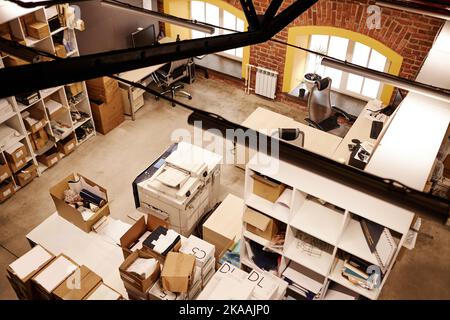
(250, 14)
(15, 80)
(271, 11)
(34, 4)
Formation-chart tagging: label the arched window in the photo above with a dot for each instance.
(352, 51)
(209, 13)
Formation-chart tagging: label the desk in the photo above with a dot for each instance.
(317, 141)
(60, 236)
(132, 97)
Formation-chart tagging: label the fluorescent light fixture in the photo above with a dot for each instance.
(405, 7)
(399, 82)
(161, 16)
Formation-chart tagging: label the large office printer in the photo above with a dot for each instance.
(180, 186)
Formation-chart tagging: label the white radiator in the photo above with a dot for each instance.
(266, 82)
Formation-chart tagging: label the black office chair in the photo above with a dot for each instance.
(168, 78)
(322, 115)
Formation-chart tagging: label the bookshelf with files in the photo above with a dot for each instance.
(64, 111)
(324, 238)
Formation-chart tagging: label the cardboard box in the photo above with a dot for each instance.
(178, 272)
(5, 173)
(16, 166)
(74, 89)
(22, 270)
(53, 275)
(11, 61)
(260, 224)
(38, 30)
(78, 285)
(39, 139)
(133, 234)
(26, 175)
(49, 158)
(200, 249)
(67, 145)
(60, 50)
(142, 285)
(16, 152)
(36, 121)
(224, 226)
(103, 292)
(108, 115)
(267, 188)
(71, 214)
(102, 89)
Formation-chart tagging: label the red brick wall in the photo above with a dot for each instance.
(411, 35)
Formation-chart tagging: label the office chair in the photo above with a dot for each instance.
(322, 115)
(168, 78)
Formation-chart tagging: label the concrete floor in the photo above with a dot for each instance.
(114, 160)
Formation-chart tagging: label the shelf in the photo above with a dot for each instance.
(48, 92)
(7, 117)
(58, 30)
(87, 138)
(320, 264)
(47, 147)
(354, 242)
(319, 221)
(337, 277)
(266, 207)
(78, 100)
(23, 107)
(65, 135)
(30, 41)
(80, 123)
(14, 141)
(261, 241)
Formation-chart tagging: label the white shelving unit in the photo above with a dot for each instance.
(13, 18)
(322, 224)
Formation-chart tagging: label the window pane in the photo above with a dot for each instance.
(338, 47)
(335, 76)
(212, 16)
(197, 34)
(354, 83)
(319, 43)
(239, 25)
(371, 88)
(361, 54)
(198, 11)
(229, 20)
(239, 52)
(377, 61)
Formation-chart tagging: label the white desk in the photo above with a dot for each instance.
(317, 141)
(133, 97)
(408, 149)
(60, 236)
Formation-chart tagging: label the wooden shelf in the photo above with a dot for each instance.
(58, 30)
(85, 139)
(337, 277)
(266, 207)
(354, 242)
(319, 221)
(319, 264)
(80, 123)
(7, 116)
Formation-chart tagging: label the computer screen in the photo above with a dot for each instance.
(144, 37)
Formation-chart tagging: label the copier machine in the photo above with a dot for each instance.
(180, 186)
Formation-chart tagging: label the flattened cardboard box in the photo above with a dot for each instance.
(142, 285)
(178, 272)
(71, 214)
(22, 283)
(266, 188)
(47, 294)
(81, 283)
(260, 224)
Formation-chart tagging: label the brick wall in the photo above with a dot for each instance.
(411, 35)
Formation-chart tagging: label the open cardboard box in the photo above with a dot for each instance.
(267, 188)
(142, 285)
(26, 175)
(71, 214)
(260, 224)
(84, 281)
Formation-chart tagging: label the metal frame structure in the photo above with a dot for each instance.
(15, 80)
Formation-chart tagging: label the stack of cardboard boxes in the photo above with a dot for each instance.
(38, 274)
(106, 103)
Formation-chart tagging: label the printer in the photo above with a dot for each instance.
(180, 186)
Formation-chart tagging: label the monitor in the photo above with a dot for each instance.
(144, 37)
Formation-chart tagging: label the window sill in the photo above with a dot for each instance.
(221, 64)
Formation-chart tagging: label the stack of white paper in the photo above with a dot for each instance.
(55, 273)
(104, 292)
(144, 268)
(31, 261)
(138, 245)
